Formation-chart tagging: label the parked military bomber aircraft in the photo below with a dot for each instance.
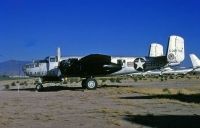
(98, 65)
(195, 63)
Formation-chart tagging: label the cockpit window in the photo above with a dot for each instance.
(31, 65)
(37, 65)
(52, 60)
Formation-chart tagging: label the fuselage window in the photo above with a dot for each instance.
(32, 66)
(119, 62)
(37, 65)
(130, 64)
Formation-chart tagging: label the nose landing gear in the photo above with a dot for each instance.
(39, 87)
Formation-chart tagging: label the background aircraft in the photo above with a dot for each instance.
(165, 71)
(195, 63)
(97, 65)
(176, 71)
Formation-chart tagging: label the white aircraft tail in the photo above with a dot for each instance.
(195, 61)
(155, 50)
(176, 51)
(59, 54)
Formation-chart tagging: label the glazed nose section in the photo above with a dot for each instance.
(24, 69)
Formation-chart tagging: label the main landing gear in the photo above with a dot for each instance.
(39, 87)
(89, 83)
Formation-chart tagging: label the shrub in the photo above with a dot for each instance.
(135, 79)
(13, 84)
(118, 80)
(166, 90)
(25, 83)
(22, 83)
(112, 80)
(103, 80)
(6, 86)
(171, 77)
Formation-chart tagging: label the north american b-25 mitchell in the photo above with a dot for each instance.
(98, 65)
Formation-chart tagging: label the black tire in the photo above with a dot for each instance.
(83, 84)
(39, 87)
(91, 84)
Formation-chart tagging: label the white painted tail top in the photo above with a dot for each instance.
(176, 51)
(155, 50)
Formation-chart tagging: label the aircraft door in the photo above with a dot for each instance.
(43, 67)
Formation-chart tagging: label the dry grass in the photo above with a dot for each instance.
(113, 112)
(113, 116)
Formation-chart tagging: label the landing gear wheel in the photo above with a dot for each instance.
(39, 87)
(91, 84)
(83, 84)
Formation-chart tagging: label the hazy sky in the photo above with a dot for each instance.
(31, 29)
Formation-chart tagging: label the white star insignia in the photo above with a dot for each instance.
(139, 64)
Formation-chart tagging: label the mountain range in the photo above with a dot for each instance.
(12, 67)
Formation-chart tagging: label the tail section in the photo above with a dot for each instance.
(195, 61)
(176, 51)
(155, 50)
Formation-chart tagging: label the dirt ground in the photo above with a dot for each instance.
(168, 104)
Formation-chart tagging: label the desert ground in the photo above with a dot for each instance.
(116, 103)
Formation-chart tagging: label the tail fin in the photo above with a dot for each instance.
(176, 51)
(155, 50)
(58, 54)
(195, 61)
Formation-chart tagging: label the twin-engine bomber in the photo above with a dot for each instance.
(98, 65)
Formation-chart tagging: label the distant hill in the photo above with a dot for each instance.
(12, 67)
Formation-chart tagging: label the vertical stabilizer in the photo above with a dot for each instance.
(155, 50)
(195, 61)
(176, 51)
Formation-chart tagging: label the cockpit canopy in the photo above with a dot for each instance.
(51, 59)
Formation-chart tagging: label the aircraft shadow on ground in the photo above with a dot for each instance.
(165, 121)
(192, 98)
(51, 89)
